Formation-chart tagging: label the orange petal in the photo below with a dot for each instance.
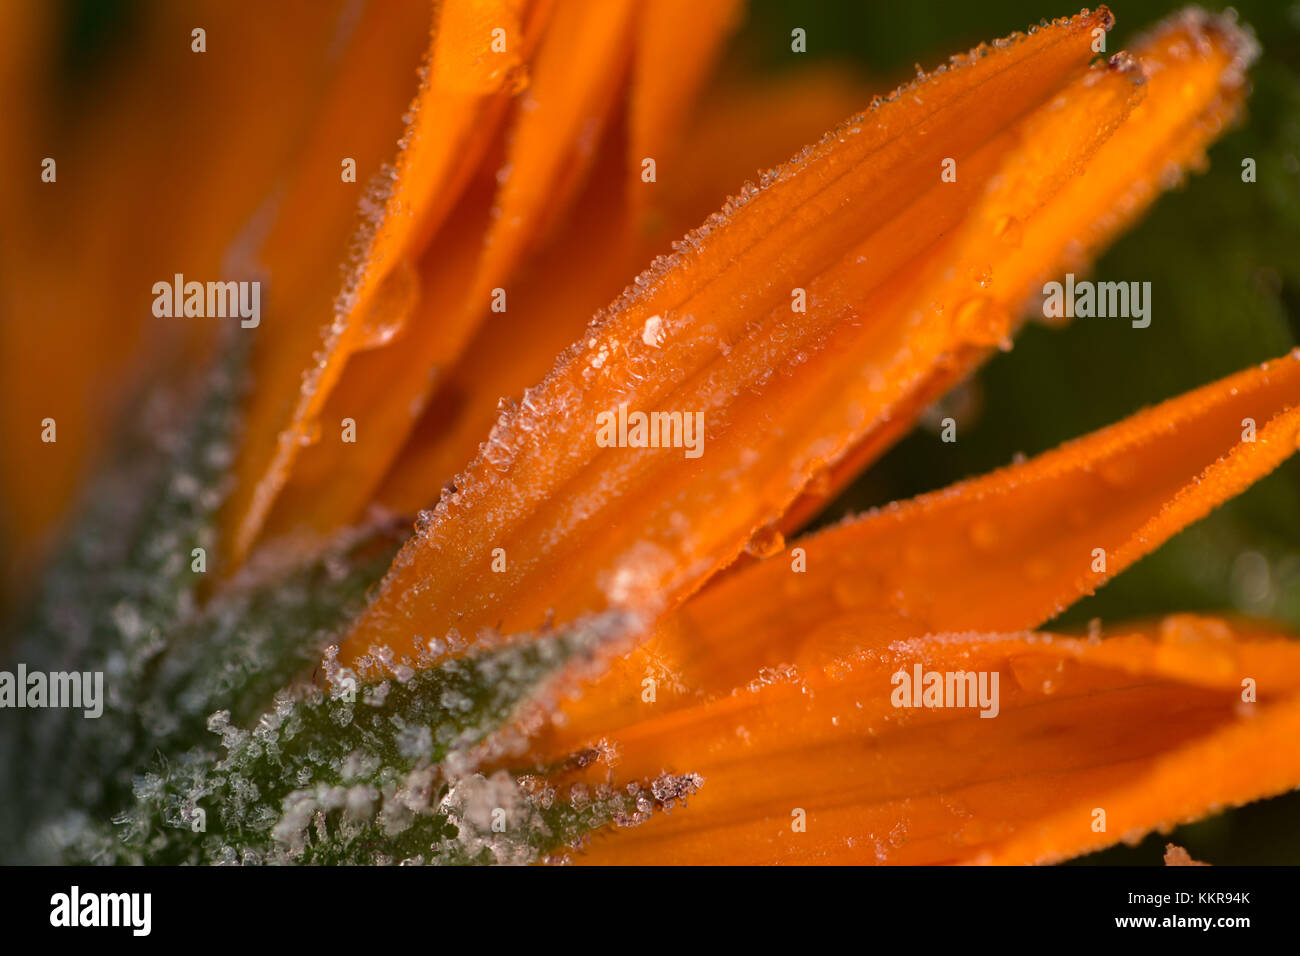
(549, 303)
(860, 222)
(1093, 742)
(1193, 67)
(1004, 552)
(577, 79)
(739, 130)
(556, 125)
(672, 62)
(456, 113)
(383, 389)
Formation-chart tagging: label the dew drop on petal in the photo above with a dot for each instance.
(765, 542)
(385, 315)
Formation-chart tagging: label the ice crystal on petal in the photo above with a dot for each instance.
(230, 734)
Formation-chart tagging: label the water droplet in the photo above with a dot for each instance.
(765, 542)
(385, 315)
(982, 321)
(518, 80)
(1038, 675)
(1010, 230)
(820, 485)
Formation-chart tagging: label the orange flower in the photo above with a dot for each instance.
(872, 693)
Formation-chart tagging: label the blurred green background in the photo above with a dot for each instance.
(1223, 258)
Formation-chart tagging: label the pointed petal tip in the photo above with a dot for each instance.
(1207, 31)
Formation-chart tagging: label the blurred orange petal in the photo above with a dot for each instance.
(672, 61)
(454, 114)
(211, 199)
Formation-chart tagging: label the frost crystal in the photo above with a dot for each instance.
(230, 733)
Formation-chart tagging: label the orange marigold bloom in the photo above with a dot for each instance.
(878, 691)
